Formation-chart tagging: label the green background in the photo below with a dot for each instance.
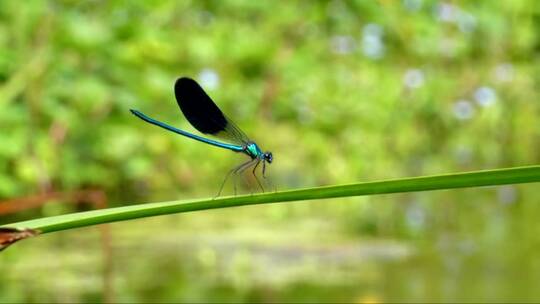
(339, 91)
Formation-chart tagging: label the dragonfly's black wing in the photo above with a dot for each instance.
(203, 114)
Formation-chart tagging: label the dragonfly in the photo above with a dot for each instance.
(205, 116)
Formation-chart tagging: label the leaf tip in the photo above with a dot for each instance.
(10, 235)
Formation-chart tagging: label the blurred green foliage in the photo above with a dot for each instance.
(339, 91)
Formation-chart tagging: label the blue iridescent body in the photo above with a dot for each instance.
(206, 117)
(253, 151)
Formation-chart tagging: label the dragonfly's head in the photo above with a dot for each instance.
(267, 156)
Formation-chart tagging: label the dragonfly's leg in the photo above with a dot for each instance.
(244, 167)
(223, 183)
(267, 180)
(244, 178)
(254, 175)
(234, 183)
(238, 170)
(232, 171)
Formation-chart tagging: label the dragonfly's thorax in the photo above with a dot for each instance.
(253, 150)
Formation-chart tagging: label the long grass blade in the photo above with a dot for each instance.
(438, 182)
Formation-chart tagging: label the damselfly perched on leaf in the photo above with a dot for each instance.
(203, 114)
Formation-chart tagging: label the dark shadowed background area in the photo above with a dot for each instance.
(339, 91)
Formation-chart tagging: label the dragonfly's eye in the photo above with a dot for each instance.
(268, 157)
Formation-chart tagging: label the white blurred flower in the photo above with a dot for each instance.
(413, 78)
(446, 12)
(463, 109)
(485, 96)
(209, 79)
(450, 13)
(372, 44)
